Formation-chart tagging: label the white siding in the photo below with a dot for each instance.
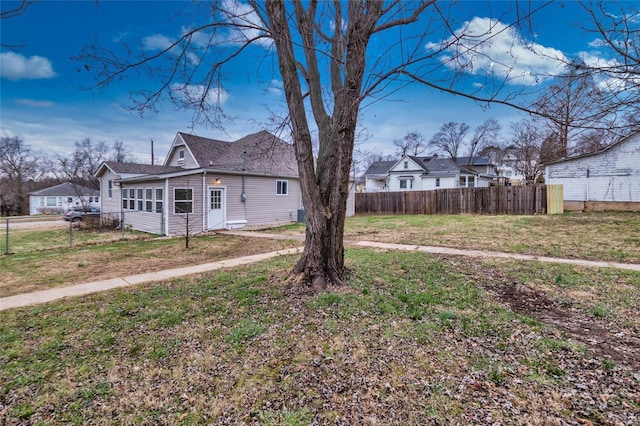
(429, 183)
(612, 175)
(110, 204)
(375, 185)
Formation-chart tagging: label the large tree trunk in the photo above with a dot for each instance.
(325, 182)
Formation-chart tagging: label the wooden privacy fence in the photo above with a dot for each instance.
(528, 199)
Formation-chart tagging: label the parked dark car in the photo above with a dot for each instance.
(77, 214)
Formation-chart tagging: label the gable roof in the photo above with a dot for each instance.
(625, 139)
(66, 189)
(379, 168)
(437, 165)
(477, 161)
(261, 153)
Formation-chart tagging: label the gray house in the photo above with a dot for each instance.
(207, 184)
(607, 179)
(58, 198)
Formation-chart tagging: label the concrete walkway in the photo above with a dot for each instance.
(495, 254)
(45, 296)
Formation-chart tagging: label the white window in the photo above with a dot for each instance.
(159, 200)
(41, 201)
(406, 183)
(132, 199)
(406, 164)
(183, 200)
(181, 157)
(148, 199)
(471, 182)
(140, 199)
(125, 199)
(282, 187)
(52, 201)
(110, 188)
(437, 182)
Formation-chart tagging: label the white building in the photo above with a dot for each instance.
(413, 173)
(607, 179)
(58, 198)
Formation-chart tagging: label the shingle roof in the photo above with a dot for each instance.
(66, 189)
(143, 169)
(379, 168)
(477, 161)
(265, 154)
(436, 165)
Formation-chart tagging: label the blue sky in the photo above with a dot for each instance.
(42, 96)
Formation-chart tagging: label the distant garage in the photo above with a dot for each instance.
(605, 180)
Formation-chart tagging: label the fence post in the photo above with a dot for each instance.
(122, 225)
(6, 247)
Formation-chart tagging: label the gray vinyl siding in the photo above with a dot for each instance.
(262, 205)
(189, 161)
(110, 205)
(612, 175)
(144, 221)
(178, 222)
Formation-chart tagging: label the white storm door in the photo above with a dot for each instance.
(215, 219)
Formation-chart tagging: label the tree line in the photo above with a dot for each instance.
(24, 170)
(571, 117)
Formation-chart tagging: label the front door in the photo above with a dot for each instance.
(215, 219)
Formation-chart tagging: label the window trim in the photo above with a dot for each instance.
(182, 201)
(282, 187)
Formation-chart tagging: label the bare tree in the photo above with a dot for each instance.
(18, 165)
(450, 138)
(80, 167)
(120, 153)
(526, 140)
(616, 28)
(572, 106)
(413, 143)
(485, 134)
(328, 67)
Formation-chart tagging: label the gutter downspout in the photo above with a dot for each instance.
(166, 207)
(205, 225)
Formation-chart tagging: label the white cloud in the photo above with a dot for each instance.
(276, 87)
(193, 93)
(484, 46)
(156, 42)
(160, 42)
(249, 25)
(17, 67)
(35, 103)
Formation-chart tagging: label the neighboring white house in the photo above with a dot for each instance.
(209, 184)
(58, 198)
(413, 173)
(607, 179)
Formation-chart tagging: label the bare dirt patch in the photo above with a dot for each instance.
(607, 340)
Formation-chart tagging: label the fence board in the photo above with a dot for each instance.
(518, 200)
